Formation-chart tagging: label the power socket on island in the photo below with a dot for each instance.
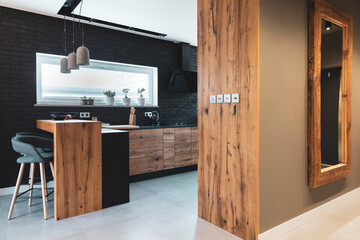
(148, 114)
(84, 115)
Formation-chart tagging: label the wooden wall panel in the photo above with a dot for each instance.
(228, 168)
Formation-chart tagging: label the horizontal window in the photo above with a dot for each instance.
(54, 87)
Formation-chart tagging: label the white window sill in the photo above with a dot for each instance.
(103, 106)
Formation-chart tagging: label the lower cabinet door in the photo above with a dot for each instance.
(146, 152)
(183, 147)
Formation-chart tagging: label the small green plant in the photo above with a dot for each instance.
(109, 93)
(91, 98)
(140, 91)
(126, 91)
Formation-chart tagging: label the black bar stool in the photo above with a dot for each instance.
(33, 148)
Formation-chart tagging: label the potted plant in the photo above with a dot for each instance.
(110, 97)
(91, 100)
(126, 100)
(141, 99)
(84, 100)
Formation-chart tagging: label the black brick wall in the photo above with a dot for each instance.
(22, 34)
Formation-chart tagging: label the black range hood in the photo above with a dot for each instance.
(183, 80)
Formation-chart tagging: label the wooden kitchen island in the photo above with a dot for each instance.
(77, 166)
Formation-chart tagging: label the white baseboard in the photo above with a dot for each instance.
(300, 220)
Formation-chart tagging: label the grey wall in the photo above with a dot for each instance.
(284, 193)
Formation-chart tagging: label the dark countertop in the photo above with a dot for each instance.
(164, 126)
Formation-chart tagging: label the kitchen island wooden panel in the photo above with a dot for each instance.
(77, 166)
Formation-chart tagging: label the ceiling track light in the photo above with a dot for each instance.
(72, 4)
(328, 25)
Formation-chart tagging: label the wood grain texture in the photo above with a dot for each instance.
(48, 126)
(318, 10)
(77, 167)
(194, 146)
(146, 153)
(154, 150)
(169, 148)
(228, 167)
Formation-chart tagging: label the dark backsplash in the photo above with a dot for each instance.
(22, 34)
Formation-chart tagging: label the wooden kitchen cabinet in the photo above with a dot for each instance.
(183, 142)
(194, 145)
(154, 150)
(146, 153)
(169, 146)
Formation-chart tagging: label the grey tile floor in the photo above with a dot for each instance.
(159, 209)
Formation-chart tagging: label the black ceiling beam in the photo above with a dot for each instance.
(70, 5)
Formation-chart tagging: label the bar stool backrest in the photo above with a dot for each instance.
(27, 145)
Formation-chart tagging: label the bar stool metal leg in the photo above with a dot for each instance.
(16, 191)
(43, 190)
(31, 182)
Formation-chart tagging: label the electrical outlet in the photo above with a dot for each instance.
(235, 98)
(227, 98)
(219, 98)
(84, 115)
(148, 114)
(212, 99)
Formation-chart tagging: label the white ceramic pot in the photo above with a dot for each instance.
(110, 101)
(126, 101)
(141, 101)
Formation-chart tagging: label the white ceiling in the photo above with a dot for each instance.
(176, 18)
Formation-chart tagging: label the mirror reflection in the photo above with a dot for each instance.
(331, 68)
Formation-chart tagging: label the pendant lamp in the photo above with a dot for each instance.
(82, 53)
(72, 56)
(64, 61)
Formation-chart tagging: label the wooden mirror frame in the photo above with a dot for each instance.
(319, 9)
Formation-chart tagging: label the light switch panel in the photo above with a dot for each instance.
(235, 98)
(227, 98)
(212, 99)
(219, 98)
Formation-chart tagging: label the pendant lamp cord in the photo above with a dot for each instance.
(64, 34)
(82, 23)
(73, 41)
